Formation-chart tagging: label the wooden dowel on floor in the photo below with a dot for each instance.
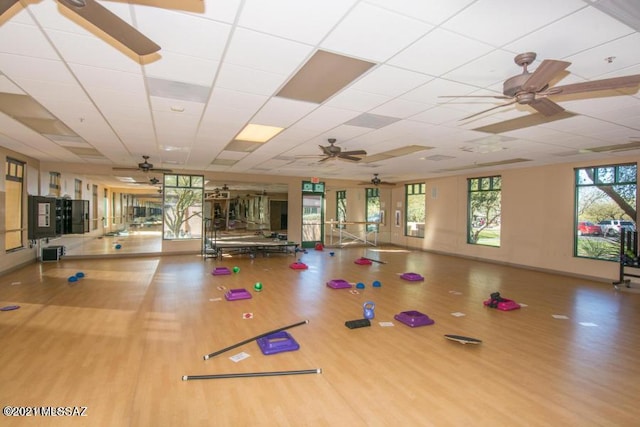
(215, 353)
(251, 374)
(374, 260)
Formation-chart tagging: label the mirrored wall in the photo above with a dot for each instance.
(123, 223)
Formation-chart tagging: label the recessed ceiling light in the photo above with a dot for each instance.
(258, 133)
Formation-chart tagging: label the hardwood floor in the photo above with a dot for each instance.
(119, 341)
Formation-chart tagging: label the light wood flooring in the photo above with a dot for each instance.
(119, 341)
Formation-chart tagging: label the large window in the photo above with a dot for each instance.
(94, 206)
(13, 204)
(373, 208)
(77, 189)
(54, 184)
(605, 207)
(183, 196)
(341, 207)
(415, 215)
(484, 206)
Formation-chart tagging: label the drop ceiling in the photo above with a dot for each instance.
(226, 63)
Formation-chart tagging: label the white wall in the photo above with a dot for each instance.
(537, 228)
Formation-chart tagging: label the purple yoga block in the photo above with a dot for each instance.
(414, 318)
(412, 277)
(277, 343)
(236, 294)
(338, 284)
(219, 271)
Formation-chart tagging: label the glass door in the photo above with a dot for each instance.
(312, 218)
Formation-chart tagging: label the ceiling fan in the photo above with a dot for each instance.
(152, 181)
(217, 190)
(144, 167)
(106, 21)
(533, 88)
(260, 193)
(377, 182)
(334, 152)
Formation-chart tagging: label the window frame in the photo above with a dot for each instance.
(341, 208)
(15, 173)
(479, 185)
(410, 190)
(602, 248)
(172, 185)
(372, 197)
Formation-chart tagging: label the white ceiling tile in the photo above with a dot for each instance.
(190, 35)
(103, 78)
(431, 91)
(592, 63)
(325, 118)
(432, 11)
(282, 112)
(558, 40)
(400, 108)
(219, 10)
(88, 50)
(234, 99)
(492, 68)
(7, 86)
(266, 53)
(366, 32)
(113, 104)
(178, 107)
(602, 107)
(231, 155)
(433, 54)
(497, 22)
(35, 43)
(307, 21)
(390, 81)
(249, 80)
(58, 93)
(182, 68)
(225, 121)
(356, 100)
(19, 68)
(439, 115)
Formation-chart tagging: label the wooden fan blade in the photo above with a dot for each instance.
(489, 109)
(522, 122)
(546, 106)
(125, 169)
(325, 150)
(353, 153)
(6, 5)
(543, 74)
(347, 157)
(595, 85)
(325, 159)
(111, 24)
(477, 96)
